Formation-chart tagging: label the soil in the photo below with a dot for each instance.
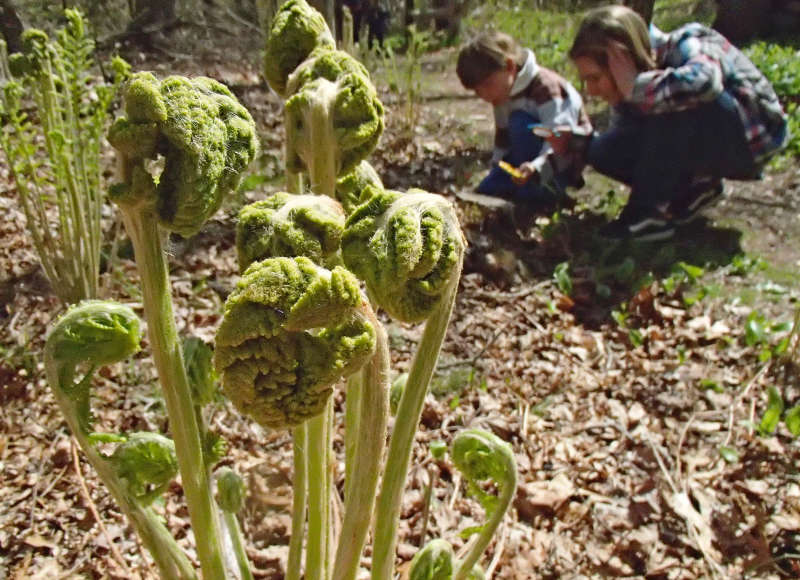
(631, 399)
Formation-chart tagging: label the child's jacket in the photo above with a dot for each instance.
(550, 98)
(696, 64)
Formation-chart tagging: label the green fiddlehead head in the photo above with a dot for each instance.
(291, 329)
(342, 116)
(297, 30)
(480, 455)
(357, 186)
(290, 226)
(92, 333)
(326, 64)
(146, 463)
(406, 247)
(435, 561)
(230, 490)
(206, 137)
(36, 54)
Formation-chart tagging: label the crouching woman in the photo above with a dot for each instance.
(688, 109)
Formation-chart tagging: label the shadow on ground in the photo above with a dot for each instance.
(597, 276)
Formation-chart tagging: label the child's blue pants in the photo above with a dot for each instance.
(524, 146)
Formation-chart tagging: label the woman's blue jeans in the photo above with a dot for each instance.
(524, 146)
(659, 155)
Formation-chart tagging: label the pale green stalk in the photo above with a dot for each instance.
(405, 427)
(299, 492)
(294, 184)
(234, 532)
(142, 227)
(322, 173)
(352, 413)
(319, 497)
(364, 467)
(466, 565)
(324, 162)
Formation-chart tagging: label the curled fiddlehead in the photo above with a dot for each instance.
(291, 329)
(433, 562)
(289, 225)
(331, 123)
(297, 30)
(147, 463)
(480, 456)
(357, 186)
(407, 248)
(205, 136)
(93, 333)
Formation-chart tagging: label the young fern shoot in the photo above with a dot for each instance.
(90, 335)
(409, 250)
(480, 455)
(54, 156)
(206, 139)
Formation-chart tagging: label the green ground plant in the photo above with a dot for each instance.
(54, 153)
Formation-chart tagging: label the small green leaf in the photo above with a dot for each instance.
(706, 384)
(252, 181)
(692, 272)
(467, 532)
(454, 402)
(753, 329)
(438, 448)
(624, 271)
(772, 416)
(792, 420)
(562, 277)
(106, 438)
(635, 337)
(729, 454)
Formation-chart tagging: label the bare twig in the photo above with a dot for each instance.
(93, 508)
(739, 398)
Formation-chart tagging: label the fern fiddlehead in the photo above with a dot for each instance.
(206, 139)
(290, 330)
(480, 455)
(89, 335)
(289, 225)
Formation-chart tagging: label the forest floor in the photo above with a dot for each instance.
(631, 383)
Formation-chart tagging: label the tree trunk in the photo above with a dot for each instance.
(643, 7)
(742, 20)
(11, 26)
(145, 13)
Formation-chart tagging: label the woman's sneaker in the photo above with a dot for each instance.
(702, 194)
(645, 224)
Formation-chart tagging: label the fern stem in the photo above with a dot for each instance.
(299, 492)
(405, 427)
(142, 227)
(364, 470)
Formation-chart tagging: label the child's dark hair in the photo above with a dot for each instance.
(487, 54)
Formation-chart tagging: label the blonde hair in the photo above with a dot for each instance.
(613, 23)
(487, 54)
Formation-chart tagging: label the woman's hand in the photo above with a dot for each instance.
(623, 69)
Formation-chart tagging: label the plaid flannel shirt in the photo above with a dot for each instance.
(696, 64)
